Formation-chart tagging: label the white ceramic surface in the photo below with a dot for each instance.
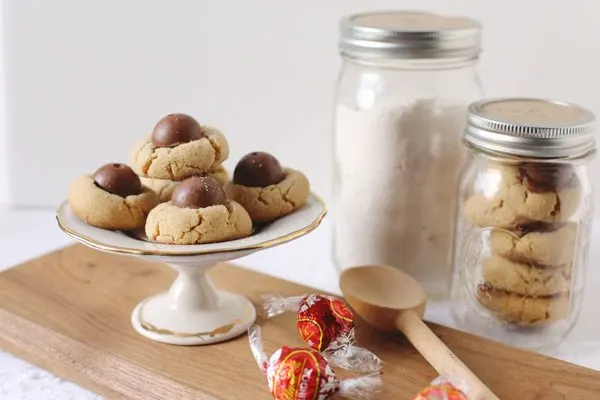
(192, 312)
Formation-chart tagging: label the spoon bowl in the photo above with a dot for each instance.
(379, 293)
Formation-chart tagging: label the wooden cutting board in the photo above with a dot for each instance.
(69, 312)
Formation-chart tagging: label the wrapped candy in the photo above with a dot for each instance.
(301, 373)
(443, 389)
(326, 324)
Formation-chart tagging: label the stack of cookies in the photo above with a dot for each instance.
(178, 148)
(527, 279)
(178, 191)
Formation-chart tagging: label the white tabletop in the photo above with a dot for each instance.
(33, 233)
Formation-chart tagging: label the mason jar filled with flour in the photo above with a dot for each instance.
(401, 100)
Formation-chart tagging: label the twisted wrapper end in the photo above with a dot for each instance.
(344, 353)
(354, 358)
(274, 304)
(256, 345)
(362, 388)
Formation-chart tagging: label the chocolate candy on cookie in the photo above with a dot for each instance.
(111, 198)
(118, 179)
(258, 169)
(198, 212)
(176, 129)
(178, 148)
(540, 177)
(266, 189)
(198, 192)
(326, 324)
(302, 373)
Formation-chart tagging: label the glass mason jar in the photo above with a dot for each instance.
(401, 100)
(523, 220)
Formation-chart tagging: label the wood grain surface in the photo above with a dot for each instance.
(69, 312)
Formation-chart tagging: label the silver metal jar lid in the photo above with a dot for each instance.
(409, 34)
(528, 127)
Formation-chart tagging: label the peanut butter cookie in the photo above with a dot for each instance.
(485, 212)
(548, 206)
(265, 189)
(541, 244)
(502, 274)
(198, 212)
(111, 198)
(164, 188)
(512, 198)
(525, 311)
(179, 147)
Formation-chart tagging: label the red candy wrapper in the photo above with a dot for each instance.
(326, 324)
(443, 389)
(304, 374)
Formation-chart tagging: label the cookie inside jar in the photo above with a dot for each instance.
(523, 221)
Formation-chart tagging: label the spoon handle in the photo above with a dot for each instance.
(445, 362)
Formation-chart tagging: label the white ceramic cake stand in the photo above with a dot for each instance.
(192, 312)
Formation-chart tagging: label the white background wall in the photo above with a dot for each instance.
(3, 131)
(84, 79)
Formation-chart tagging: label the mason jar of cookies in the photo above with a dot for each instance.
(524, 217)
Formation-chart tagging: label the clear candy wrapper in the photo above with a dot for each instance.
(444, 389)
(303, 373)
(326, 324)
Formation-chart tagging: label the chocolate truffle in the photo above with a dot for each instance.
(118, 179)
(175, 129)
(198, 192)
(258, 169)
(540, 177)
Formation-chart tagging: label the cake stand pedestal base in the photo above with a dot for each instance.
(192, 312)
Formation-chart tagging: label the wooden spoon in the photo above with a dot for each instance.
(390, 299)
